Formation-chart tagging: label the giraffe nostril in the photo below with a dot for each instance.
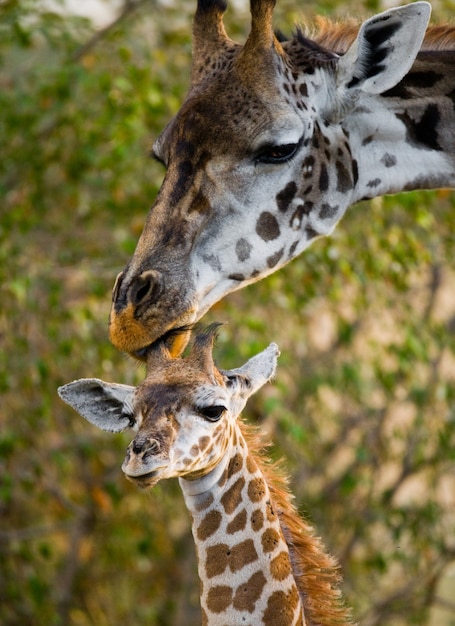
(154, 446)
(146, 287)
(138, 446)
(149, 446)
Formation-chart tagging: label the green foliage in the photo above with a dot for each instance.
(362, 407)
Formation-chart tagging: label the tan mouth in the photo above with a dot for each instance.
(175, 341)
(125, 332)
(129, 335)
(145, 481)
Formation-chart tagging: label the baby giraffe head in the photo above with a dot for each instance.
(183, 412)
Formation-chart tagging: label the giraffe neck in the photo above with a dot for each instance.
(405, 139)
(243, 560)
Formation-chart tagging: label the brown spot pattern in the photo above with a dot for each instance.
(256, 489)
(389, 160)
(344, 180)
(217, 559)
(327, 211)
(267, 226)
(221, 556)
(237, 524)
(273, 259)
(242, 554)
(233, 496)
(203, 442)
(219, 598)
(235, 464)
(281, 608)
(270, 540)
(311, 233)
(223, 478)
(300, 211)
(209, 525)
(257, 520)
(247, 595)
(204, 503)
(323, 178)
(237, 276)
(286, 196)
(243, 249)
(280, 567)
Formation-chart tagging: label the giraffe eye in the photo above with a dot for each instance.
(277, 154)
(212, 413)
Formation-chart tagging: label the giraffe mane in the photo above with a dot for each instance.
(338, 36)
(316, 573)
(440, 37)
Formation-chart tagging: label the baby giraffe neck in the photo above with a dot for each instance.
(243, 559)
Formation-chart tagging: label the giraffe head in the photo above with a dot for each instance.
(259, 162)
(183, 412)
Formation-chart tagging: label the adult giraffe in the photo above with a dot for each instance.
(273, 142)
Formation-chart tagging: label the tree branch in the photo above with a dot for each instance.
(127, 9)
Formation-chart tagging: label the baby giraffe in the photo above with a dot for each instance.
(259, 563)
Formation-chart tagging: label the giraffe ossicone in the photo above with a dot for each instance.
(259, 563)
(274, 141)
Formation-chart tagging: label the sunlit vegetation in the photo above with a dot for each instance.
(362, 408)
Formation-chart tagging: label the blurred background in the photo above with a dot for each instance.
(362, 408)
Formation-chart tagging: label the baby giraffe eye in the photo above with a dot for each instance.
(213, 412)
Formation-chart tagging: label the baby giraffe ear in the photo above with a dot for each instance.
(385, 49)
(255, 373)
(105, 405)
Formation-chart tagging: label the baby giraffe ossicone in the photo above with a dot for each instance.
(259, 563)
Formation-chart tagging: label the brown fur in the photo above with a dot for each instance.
(338, 36)
(316, 572)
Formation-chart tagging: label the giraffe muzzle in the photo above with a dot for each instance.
(142, 307)
(144, 463)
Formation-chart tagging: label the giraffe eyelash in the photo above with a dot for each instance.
(273, 153)
(213, 412)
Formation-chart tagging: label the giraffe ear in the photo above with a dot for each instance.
(105, 405)
(385, 49)
(247, 379)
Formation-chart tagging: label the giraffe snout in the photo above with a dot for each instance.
(131, 296)
(144, 460)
